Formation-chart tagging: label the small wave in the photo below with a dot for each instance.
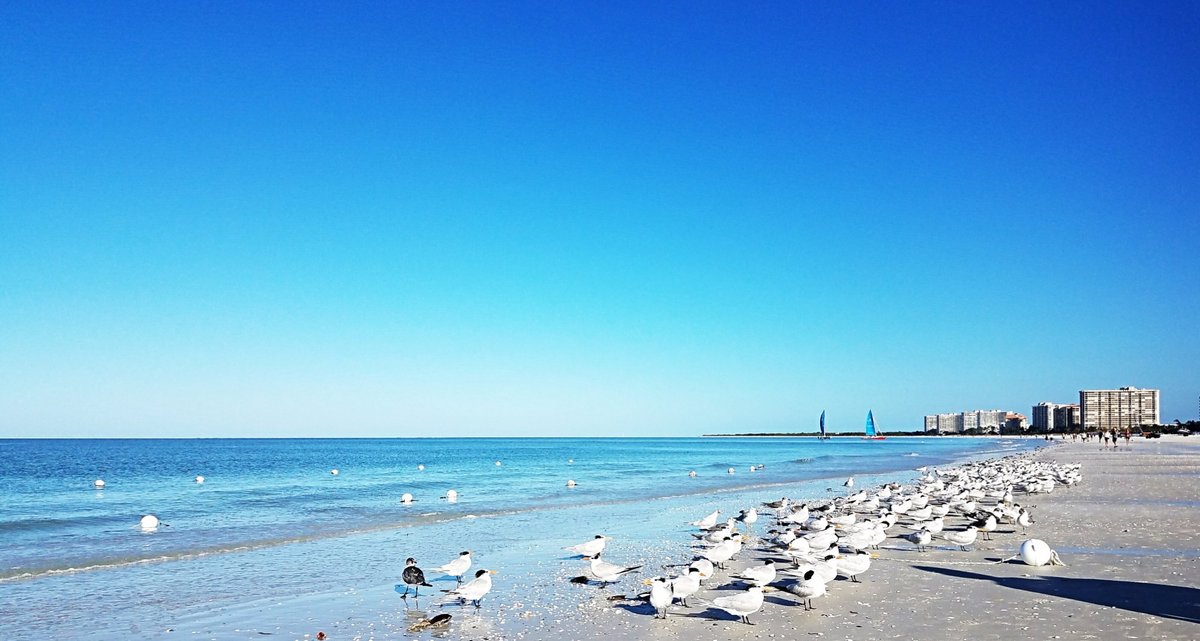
(41, 523)
(804, 460)
(912, 454)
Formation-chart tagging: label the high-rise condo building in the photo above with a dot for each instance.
(1048, 417)
(1118, 409)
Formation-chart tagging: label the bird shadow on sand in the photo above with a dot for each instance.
(712, 614)
(1166, 601)
(642, 607)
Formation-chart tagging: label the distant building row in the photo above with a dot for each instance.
(1122, 409)
(981, 420)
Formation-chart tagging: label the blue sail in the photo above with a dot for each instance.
(822, 422)
(870, 423)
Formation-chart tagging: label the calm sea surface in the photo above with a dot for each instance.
(270, 514)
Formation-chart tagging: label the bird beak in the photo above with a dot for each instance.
(587, 558)
(493, 572)
(647, 581)
(768, 588)
(874, 556)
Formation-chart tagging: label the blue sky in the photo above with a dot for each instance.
(301, 219)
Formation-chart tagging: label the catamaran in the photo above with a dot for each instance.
(872, 435)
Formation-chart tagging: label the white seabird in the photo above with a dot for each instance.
(961, 539)
(742, 605)
(807, 588)
(473, 590)
(607, 572)
(686, 584)
(707, 521)
(759, 575)
(589, 548)
(458, 566)
(852, 565)
(660, 596)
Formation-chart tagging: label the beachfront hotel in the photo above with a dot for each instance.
(983, 420)
(1048, 416)
(1118, 409)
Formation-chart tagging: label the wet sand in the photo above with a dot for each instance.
(1127, 534)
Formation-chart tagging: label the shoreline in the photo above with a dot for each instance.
(532, 599)
(1121, 580)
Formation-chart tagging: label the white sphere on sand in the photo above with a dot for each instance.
(149, 522)
(98, 484)
(1035, 552)
(406, 498)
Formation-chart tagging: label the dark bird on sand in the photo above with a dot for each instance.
(413, 576)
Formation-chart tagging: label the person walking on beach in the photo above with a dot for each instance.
(1104, 437)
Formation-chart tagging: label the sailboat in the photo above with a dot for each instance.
(822, 436)
(871, 434)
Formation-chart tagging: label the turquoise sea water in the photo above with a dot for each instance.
(270, 517)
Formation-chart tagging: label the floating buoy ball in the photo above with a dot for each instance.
(692, 474)
(570, 461)
(1035, 552)
(98, 484)
(451, 496)
(731, 470)
(407, 498)
(497, 463)
(200, 480)
(149, 522)
(570, 483)
(420, 468)
(333, 472)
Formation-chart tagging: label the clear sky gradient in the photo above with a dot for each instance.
(359, 219)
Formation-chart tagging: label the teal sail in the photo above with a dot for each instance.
(822, 422)
(870, 423)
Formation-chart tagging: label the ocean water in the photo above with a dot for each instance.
(272, 532)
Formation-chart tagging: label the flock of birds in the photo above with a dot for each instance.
(811, 543)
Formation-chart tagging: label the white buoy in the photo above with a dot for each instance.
(570, 483)
(1036, 552)
(200, 480)
(98, 484)
(420, 468)
(333, 472)
(731, 470)
(451, 496)
(149, 522)
(407, 498)
(753, 469)
(497, 463)
(692, 474)
(570, 461)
